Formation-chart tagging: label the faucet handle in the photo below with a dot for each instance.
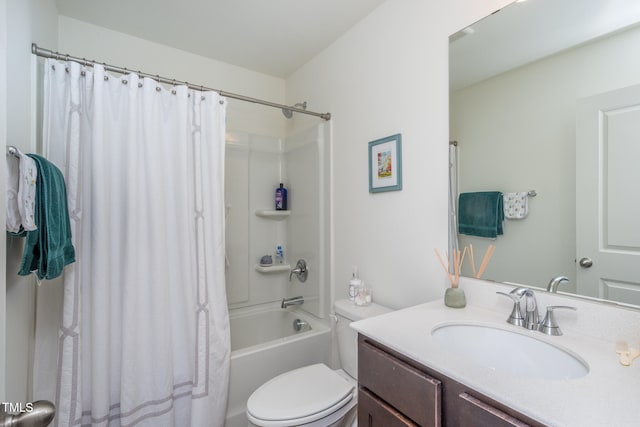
(515, 297)
(301, 271)
(516, 317)
(549, 325)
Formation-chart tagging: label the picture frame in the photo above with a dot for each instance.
(385, 164)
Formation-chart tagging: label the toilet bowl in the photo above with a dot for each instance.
(316, 395)
(310, 396)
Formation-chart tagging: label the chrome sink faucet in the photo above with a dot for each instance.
(287, 302)
(555, 282)
(531, 315)
(530, 319)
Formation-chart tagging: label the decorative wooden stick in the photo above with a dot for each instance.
(458, 259)
(444, 266)
(473, 261)
(485, 261)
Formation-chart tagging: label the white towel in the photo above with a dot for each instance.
(21, 192)
(516, 205)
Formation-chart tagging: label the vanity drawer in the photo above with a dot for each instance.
(476, 413)
(409, 390)
(373, 412)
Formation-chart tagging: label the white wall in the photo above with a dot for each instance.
(517, 132)
(27, 22)
(387, 75)
(84, 40)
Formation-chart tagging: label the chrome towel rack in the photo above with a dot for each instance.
(12, 151)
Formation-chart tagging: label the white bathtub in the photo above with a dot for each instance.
(265, 344)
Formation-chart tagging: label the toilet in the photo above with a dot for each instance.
(316, 395)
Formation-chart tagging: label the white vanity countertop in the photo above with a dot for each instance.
(607, 396)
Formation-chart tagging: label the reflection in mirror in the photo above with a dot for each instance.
(545, 96)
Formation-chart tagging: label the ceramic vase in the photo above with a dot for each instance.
(454, 298)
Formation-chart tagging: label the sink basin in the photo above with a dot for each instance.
(509, 351)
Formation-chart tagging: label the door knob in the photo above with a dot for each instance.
(585, 262)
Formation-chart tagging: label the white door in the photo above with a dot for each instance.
(608, 195)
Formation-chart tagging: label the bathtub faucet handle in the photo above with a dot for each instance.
(301, 271)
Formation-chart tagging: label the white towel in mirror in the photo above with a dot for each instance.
(516, 205)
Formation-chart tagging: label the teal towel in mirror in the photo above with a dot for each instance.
(48, 248)
(480, 214)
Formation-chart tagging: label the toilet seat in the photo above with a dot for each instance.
(299, 397)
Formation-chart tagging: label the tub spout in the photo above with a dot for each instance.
(286, 302)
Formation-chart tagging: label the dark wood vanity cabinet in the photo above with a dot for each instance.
(397, 391)
(391, 385)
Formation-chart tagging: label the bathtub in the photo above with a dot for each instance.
(264, 344)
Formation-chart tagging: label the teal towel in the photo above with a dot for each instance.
(48, 249)
(480, 214)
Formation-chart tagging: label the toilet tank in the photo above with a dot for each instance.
(346, 312)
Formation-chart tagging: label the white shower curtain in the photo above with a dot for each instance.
(144, 339)
(453, 201)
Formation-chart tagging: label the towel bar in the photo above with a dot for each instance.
(12, 151)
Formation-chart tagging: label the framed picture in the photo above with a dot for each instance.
(385, 164)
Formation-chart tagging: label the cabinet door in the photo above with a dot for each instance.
(373, 412)
(476, 413)
(409, 390)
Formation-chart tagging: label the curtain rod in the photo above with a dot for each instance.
(47, 53)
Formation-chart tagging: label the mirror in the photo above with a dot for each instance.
(519, 80)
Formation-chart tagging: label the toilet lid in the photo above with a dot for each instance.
(308, 393)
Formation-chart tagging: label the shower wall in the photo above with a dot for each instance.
(255, 165)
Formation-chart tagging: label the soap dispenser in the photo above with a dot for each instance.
(354, 284)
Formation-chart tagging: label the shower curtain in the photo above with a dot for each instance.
(144, 339)
(453, 194)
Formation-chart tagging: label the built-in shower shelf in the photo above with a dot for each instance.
(272, 213)
(279, 268)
